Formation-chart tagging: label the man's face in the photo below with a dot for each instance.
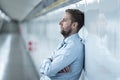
(66, 25)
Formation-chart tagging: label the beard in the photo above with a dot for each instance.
(66, 33)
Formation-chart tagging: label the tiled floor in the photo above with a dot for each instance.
(15, 62)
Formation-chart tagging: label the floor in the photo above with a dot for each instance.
(15, 62)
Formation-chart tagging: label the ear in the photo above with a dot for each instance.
(74, 25)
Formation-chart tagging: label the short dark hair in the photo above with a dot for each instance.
(77, 16)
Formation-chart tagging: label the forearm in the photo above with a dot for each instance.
(45, 66)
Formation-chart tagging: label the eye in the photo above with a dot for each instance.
(63, 19)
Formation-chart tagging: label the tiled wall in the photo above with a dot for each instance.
(102, 42)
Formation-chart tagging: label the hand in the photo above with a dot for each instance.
(65, 70)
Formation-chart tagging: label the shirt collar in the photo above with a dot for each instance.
(71, 37)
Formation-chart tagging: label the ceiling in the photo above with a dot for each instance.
(18, 9)
(27, 9)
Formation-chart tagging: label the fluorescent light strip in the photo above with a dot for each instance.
(53, 5)
(4, 53)
(4, 16)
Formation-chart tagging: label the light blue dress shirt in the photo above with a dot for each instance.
(69, 53)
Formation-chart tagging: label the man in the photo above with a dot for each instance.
(66, 62)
